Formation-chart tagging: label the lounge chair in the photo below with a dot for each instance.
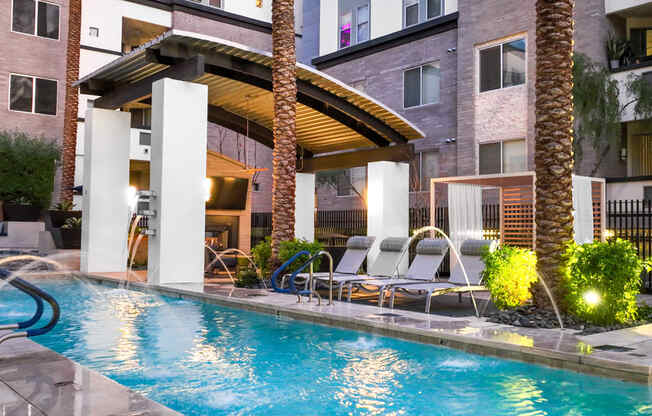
(471, 257)
(424, 267)
(384, 267)
(357, 248)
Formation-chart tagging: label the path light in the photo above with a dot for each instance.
(208, 187)
(132, 198)
(591, 297)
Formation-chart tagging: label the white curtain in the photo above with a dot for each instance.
(464, 213)
(582, 209)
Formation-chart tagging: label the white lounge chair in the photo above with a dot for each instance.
(430, 254)
(384, 267)
(471, 257)
(357, 248)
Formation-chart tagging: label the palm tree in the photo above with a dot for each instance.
(553, 157)
(285, 102)
(72, 101)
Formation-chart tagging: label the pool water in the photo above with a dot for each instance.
(202, 359)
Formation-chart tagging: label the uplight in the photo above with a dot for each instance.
(208, 187)
(132, 198)
(591, 297)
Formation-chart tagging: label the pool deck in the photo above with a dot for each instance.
(37, 381)
(625, 354)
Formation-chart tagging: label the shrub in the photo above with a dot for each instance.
(509, 272)
(247, 278)
(72, 223)
(263, 252)
(612, 270)
(64, 206)
(27, 168)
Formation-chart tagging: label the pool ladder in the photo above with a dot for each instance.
(309, 289)
(39, 296)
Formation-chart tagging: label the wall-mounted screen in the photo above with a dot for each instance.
(228, 193)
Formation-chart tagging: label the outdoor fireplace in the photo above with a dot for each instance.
(222, 231)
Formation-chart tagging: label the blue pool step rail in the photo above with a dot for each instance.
(39, 296)
(310, 291)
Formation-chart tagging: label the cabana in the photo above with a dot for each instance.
(515, 195)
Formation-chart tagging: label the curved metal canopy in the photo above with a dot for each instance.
(331, 116)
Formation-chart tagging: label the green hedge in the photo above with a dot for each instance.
(509, 272)
(27, 168)
(610, 271)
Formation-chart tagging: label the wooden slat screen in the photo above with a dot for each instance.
(596, 188)
(518, 217)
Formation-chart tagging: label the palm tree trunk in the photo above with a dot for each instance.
(285, 102)
(72, 102)
(553, 156)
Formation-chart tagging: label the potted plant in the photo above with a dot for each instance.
(71, 233)
(615, 50)
(61, 212)
(21, 209)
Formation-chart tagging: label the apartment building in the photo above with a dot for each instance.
(33, 65)
(463, 71)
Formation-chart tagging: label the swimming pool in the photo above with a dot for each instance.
(203, 359)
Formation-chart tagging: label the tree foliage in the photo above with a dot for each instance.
(598, 109)
(27, 168)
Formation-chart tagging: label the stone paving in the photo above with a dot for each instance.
(35, 380)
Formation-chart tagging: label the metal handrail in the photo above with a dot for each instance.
(37, 294)
(311, 283)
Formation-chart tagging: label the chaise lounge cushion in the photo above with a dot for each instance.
(393, 244)
(477, 247)
(430, 246)
(360, 242)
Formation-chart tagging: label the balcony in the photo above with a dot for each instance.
(628, 8)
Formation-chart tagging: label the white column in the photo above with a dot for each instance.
(387, 204)
(304, 209)
(177, 176)
(106, 179)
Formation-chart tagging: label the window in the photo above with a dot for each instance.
(141, 118)
(352, 182)
(419, 11)
(423, 167)
(213, 3)
(421, 85)
(354, 24)
(502, 157)
(32, 95)
(256, 187)
(411, 12)
(502, 66)
(145, 139)
(94, 32)
(35, 18)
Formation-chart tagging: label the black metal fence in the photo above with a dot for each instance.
(632, 220)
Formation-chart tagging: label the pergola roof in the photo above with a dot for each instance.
(331, 116)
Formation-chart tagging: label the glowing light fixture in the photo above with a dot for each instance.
(592, 297)
(208, 187)
(132, 198)
(259, 3)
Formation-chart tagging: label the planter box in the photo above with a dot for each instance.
(58, 218)
(21, 213)
(70, 238)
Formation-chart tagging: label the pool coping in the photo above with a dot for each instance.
(578, 362)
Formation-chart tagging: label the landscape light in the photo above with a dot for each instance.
(591, 297)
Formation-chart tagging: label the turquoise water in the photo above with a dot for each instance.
(202, 359)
